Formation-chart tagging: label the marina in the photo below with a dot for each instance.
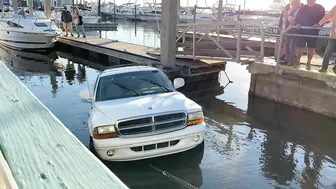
(231, 111)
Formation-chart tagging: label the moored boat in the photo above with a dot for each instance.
(28, 33)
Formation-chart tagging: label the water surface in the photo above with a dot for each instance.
(249, 143)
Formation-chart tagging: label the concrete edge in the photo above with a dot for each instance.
(6, 177)
(262, 68)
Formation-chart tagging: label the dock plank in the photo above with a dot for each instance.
(40, 151)
(115, 45)
(126, 51)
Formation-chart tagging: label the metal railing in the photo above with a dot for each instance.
(285, 33)
(213, 32)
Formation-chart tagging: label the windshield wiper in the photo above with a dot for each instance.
(123, 87)
(154, 83)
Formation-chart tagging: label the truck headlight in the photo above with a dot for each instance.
(104, 132)
(195, 118)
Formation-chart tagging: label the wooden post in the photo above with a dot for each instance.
(135, 14)
(168, 33)
(135, 19)
(114, 13)
(15, 6)
(99, 10)
(31, 8)
(220, 9)
(47, 8)
(239, 38)
(1, 5)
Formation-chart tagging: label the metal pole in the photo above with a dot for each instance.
(239, 13)
(262, 46)
(277, 68)
(194, 42)
(195, 7)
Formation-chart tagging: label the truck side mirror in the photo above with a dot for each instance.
(178, 83)
(86, 96)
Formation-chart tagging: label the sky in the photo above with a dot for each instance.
(250, 4)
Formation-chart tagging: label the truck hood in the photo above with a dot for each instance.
(113, 110)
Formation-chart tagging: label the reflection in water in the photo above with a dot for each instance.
(249, 143)
(298, 130)
(70, 72)
(54, 83)
(81, 73)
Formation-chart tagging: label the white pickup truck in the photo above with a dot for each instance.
(136, 113)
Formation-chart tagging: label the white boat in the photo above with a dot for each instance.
(188, 17)
(28, 33)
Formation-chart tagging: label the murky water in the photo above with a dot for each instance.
(249, 143)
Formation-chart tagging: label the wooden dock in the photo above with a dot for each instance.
(40, 151)
(121, 52)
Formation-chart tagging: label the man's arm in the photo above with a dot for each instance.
(328, 16)
(297, 16)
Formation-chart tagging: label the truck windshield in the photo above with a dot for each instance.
(132, 84)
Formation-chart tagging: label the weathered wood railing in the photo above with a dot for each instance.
(40, 151)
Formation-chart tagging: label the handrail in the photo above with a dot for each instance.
(234, 28)
(285, 33)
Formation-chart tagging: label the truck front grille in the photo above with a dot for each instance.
(155, 146)
(152, 124)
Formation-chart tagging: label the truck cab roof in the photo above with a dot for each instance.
(126, 69)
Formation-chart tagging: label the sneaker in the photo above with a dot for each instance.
(66, 35)
(322, 70)
(78, 36)
(84, 36)
(296, 66)
(72, 35)
(308, 67)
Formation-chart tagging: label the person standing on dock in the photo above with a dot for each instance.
(78, 19)
(309, 15)
(290, 41)
(331, 16)
(67, 21)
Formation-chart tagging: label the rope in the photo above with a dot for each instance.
(174, 178)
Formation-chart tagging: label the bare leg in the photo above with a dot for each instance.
(311, 52)
(299, 52)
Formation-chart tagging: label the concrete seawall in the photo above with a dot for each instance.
(308, 90)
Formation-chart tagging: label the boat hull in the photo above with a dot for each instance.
(28, 40)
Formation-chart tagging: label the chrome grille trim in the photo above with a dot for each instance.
(125, 131)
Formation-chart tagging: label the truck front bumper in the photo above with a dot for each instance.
(129, 149)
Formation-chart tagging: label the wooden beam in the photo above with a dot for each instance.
(40, 151)
(217, 53)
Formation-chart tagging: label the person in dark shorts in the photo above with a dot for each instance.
(308, 15)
